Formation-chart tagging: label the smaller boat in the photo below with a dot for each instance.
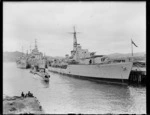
(40, 72)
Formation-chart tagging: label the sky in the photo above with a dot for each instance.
(106, 27)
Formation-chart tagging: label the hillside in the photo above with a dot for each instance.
(11, 56)
(140, 56)
(119, 55)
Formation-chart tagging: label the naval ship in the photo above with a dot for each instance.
(22, 62)
(34, 58)
(85, 64)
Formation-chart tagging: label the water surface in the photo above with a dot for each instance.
(65, 94)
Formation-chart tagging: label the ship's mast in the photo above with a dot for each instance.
(74, 39)
(75, 44)
(36, 47)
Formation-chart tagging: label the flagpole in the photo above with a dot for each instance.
(131, 47)
(22, 50)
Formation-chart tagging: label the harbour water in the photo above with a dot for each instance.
(64, 94)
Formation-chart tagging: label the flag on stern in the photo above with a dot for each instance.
(133, 43)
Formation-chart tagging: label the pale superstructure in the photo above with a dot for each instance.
(22, 61)
(34, 58)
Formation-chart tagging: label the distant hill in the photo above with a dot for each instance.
(119, 55)
(136, 56)
(11, 56)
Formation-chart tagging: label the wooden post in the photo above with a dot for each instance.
(140, 78)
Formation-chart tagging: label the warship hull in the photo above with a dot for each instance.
(117, 72)
(22, 65)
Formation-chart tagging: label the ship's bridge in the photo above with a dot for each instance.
(35, 53)
(96, 59)
(80, 53)
(83, 56)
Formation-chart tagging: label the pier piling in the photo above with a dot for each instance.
(137, 77)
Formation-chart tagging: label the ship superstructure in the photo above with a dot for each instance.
(83, 63)
(22, 61)
(34, 58)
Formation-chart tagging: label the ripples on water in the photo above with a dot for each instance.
(65, 94)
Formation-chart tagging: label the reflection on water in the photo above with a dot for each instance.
(45, 83)
(63, 94)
